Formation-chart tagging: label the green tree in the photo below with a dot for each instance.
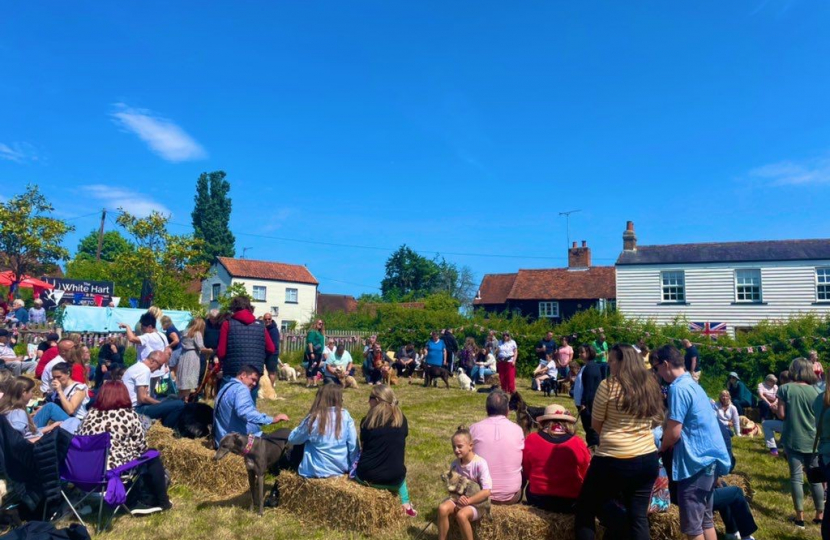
(113, 245)
(30, 239)
(169, 262)
(409, 276)
(458, 283)
(211, 214)
(235, 289)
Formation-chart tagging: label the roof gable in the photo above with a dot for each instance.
(565, 284)
(494, 289)
(725, 252)
(267, 270)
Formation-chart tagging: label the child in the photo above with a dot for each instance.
(475, 468)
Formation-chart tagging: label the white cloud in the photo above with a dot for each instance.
(133, 202)
(793, 173)
(18, 152)
(163, 136)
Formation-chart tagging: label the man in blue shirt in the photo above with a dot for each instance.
(700, 454)
(234, 408)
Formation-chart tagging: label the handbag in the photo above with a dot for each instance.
(815, 472)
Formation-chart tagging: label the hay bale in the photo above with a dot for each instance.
(190, 462)
(740, 480)
(360, 509)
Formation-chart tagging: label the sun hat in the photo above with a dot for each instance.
(556, 412)
(733, 374)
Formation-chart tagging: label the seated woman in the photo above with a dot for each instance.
(328, 435)
(485, 365)
(740, 394)
(72, 396)
(768, 398)
(728, 413)
(546, 371)
(383, 435)
(13, 405)
(112, 413)
(555, 462)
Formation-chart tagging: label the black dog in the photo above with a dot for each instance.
(433, 373)
(196, 421)
(525, 415)
(549, 386)
(485, 390)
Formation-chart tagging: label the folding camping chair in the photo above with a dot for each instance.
(86, 469)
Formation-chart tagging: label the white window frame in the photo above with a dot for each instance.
(823, 284)
(215, 291)
(259, 289)
(745, 286)
(285, 326)
(673, 286)
(288, 296)
(548, 310)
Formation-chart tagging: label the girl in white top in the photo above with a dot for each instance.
(73, 396)
(728, 413)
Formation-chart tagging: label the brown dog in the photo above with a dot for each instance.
(390, 376)
(458, 486)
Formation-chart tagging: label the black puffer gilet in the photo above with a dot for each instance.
(246, 345)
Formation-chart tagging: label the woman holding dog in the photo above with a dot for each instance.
(383, 435)
(329, 435)
(624, 408)
(436, 351)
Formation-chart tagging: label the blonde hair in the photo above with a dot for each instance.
(386, 412)
(155, 312)
(329, 396)
(196, 325)
(165, 322)
(463, 431)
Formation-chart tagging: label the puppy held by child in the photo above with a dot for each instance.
(468, 484)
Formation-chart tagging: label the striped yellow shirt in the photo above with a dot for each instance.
(623, 436)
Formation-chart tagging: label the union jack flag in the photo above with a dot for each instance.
(711, 329)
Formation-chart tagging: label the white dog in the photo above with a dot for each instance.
(288, 373)
(464, 380)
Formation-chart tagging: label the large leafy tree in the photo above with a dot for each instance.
(457, 282)
(409, 276)
(211, 215)
(113, 244)
(30, 238)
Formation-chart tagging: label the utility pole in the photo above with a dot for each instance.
(568, 222)
(101, 235)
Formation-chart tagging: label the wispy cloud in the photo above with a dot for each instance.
(795, 173)
(276, 219)
(133, 202)
(163, 136)
(18, 152)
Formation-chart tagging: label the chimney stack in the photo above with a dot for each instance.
(629, 238)
(579, 257)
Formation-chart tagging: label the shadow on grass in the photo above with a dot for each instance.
(242, 500)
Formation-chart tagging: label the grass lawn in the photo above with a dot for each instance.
(433, 415)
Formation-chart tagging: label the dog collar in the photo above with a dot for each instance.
(249, 446)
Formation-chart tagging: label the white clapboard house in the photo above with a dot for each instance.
(723, 287)
(288, 291)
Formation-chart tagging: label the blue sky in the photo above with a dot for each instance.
(461, 127)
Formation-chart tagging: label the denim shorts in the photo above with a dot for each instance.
(694, 497)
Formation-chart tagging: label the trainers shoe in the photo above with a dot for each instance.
(410, 511)
(797, 522)
(142, 509)
(774, 452)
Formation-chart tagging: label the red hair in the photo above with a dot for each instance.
(112, 395)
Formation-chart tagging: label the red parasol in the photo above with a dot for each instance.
(28, 282)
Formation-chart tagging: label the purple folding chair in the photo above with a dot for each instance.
(86, 469)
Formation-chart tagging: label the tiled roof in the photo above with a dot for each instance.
(494, 289)
(273, 271)
(564, 284)
(769, 250)
(331, 303)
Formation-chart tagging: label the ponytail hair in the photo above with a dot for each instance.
(386, 411)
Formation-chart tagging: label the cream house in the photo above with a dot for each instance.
(288, 291)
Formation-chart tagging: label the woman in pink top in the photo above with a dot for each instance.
(564, 355)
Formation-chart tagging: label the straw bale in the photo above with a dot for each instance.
(360, 509)
(190, 462)
(740, 480)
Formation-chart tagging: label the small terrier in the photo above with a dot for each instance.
(464, 380)
(288, 373)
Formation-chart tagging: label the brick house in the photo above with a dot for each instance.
(553, 293)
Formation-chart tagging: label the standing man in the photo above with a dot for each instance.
(501, 443)
(692, 360)
(700, 454)
(243, 342)
(273, 362)
(452, 348)
(601, 348)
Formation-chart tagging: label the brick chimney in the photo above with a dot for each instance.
(629, 238)
(579, 257)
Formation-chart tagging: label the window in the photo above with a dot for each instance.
(215, 291)
(548, 310)
(259, 293)
(748, 285)
(674, 286)
(823, 284)
(286, 326)
(290, 296)
(275, 311)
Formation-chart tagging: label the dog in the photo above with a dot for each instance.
(748, 427)
(287, 373)
(390, 375)
(464, 381)
(433, 373)
(525, 415)
(345, 379)
(458, 486)
(485, 390)
(196, 421)
(261, 455)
